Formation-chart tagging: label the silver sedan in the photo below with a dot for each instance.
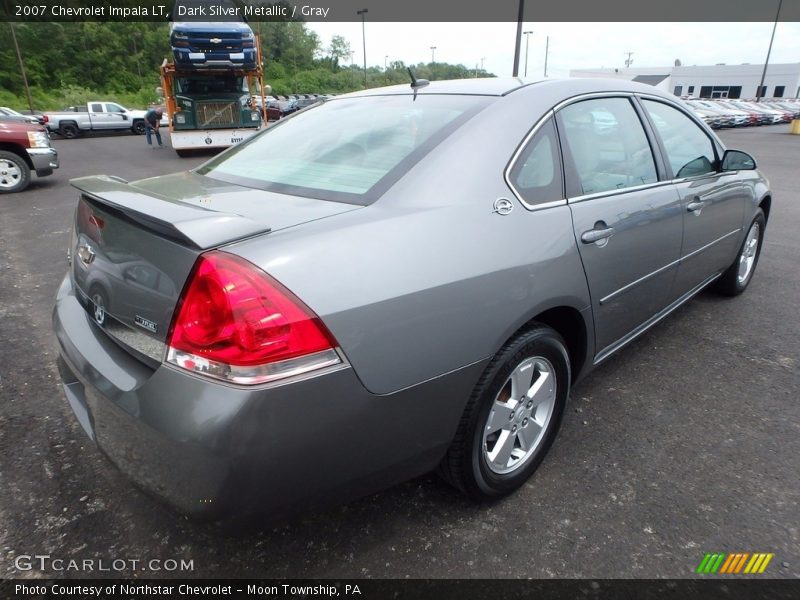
(388, 283)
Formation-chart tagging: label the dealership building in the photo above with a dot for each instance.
(717, 81)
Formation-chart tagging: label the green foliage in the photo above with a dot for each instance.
(72, 63)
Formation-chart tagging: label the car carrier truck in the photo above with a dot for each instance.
(212, 107)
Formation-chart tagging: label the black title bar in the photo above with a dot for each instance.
(403, 10)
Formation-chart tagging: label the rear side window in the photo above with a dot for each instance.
(536, 174)
(607, 144)
(97, 108)
(348, 150)
(690, 152)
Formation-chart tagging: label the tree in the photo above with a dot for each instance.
(339, 49)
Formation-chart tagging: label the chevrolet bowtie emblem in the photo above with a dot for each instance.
(215, 40)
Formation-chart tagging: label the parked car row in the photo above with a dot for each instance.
(282, 106)
(735, 112)
(9, 114)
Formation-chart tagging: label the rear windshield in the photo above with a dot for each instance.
(346, 150)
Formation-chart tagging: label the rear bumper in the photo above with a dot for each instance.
(209, 449)
(44, 160)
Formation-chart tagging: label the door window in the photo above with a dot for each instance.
(607, 144)
(97, 108)
(536, 174)
(690, 151)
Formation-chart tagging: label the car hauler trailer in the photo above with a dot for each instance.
(212, 107)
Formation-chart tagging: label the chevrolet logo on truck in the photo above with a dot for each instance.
(215, 40)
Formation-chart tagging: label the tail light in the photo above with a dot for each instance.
(235, 323)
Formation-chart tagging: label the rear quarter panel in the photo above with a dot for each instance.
(428, 279)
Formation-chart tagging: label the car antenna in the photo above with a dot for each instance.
(416, 84)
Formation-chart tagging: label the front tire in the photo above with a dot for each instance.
(512, 416)
(15, 175)
(739, 275)
(138, 128)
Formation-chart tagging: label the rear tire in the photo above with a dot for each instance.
(512, 416)
(739, 275)
(69, 131)
(15, 174)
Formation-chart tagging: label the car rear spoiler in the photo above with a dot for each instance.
(186, 224)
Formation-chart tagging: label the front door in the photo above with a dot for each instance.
(713, 202)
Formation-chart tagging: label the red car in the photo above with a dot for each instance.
(24, 148)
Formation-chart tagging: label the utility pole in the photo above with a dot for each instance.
(433, 50)
(527, 39)
(769, 50)
(629, 60)
(546, 52)
(21, 68)
(363, 12)
(518, 41)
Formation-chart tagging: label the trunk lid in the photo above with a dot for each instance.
(134, 244)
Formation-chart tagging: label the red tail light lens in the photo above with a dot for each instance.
(235, 322)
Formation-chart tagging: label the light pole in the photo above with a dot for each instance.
(518, 40)
(363, 12)
(766, 62)
(546, 53)
(629, 60)
(527, 39)
(433, 49)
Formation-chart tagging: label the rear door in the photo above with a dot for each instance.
(713, 202)
(627, 220)
(99, 117)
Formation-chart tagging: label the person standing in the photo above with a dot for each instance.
(152, 121)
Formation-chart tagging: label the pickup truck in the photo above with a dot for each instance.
(95, 116)
(24, 147)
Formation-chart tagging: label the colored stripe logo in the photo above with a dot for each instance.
(734, 563)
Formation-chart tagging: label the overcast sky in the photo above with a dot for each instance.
(572, 45)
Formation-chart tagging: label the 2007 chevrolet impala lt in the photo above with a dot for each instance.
(394, 281)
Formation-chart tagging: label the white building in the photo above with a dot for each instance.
(717, 81)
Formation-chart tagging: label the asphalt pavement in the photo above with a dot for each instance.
(685, 442)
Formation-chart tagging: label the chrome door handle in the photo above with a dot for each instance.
(595, 235)
(694, 205)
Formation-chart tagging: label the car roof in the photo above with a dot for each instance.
(502, 86)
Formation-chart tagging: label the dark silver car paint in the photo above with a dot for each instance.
(420, 289)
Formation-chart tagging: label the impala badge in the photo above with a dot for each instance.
(503, 206)
(146, 324)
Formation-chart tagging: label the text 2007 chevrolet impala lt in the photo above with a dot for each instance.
(394, 281)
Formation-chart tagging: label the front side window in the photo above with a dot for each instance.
(349, 150)
(114, 108)
(690, 151)
(608, 145)
(536, 174)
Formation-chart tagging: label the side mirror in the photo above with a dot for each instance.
(736, 160)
